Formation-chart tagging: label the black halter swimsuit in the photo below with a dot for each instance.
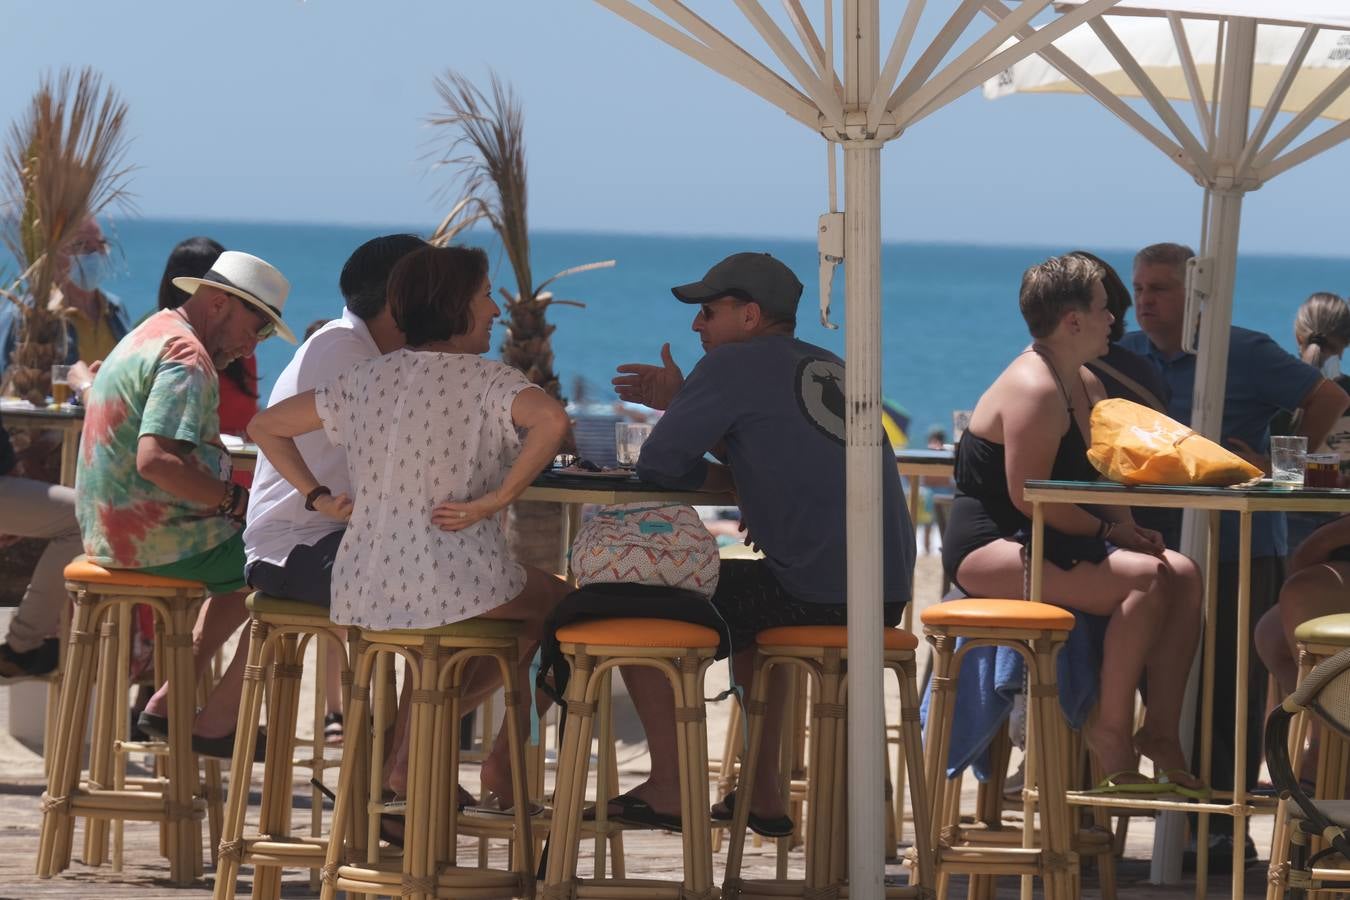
(983, 511)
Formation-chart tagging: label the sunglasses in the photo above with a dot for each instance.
(268, 327)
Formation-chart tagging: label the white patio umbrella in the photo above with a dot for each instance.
(860, 107)
(1223, 57)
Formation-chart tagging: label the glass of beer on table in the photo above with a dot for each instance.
(60, 386)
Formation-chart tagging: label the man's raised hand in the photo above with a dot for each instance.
(653, 386)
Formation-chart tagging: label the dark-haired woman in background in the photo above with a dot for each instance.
(239, 380)
(432, 435)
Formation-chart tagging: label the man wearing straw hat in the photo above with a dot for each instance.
(153, 489)
(770, 407)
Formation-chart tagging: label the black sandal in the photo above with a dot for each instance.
(777, 827)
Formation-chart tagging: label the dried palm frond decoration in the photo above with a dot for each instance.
(63, 162)
(487, 152)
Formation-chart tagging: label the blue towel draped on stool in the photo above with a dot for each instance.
(990, 677)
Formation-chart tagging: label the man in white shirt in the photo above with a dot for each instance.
(289, 546)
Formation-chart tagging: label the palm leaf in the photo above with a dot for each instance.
(63, 161)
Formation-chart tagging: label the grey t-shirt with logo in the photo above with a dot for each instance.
(777, 404)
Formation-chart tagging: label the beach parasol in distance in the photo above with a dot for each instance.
(895, 420)
(1220, 58)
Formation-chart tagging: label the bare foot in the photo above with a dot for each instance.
(1165, 751)
(1114, 752)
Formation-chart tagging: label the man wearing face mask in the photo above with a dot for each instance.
(97, 320)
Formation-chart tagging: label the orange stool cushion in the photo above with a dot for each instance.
(82, 569)
(832, 636)
(638, 633)
(999, 614)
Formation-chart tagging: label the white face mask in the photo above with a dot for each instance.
(1331, 368)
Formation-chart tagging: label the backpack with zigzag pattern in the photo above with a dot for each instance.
(646, 543)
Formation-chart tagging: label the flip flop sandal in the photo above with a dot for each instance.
(777, 827)
(1112, 784)
(638, 813)
(1171, 786)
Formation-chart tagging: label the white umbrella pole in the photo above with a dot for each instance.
(1221, 247)
(862, 388)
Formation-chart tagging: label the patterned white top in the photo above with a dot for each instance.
(419, 428)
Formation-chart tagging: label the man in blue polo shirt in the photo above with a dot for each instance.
(1262, 380)
(770, 407)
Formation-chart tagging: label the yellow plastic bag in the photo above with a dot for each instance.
(1133, 444)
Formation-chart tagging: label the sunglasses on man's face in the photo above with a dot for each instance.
(267, 328)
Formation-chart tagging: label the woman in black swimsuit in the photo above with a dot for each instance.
(1032, 424)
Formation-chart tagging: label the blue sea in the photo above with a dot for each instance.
(950, 315)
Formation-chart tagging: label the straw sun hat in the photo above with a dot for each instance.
(249, 278)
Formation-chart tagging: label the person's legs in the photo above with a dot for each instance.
(221, 569)
(1320, 590)
(1142, 595)
(1168, 662)
(532, 606)
(34, 509)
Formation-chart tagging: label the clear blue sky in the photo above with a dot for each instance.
(314, 111)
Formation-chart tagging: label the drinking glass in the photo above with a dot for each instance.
(60, 386)
(1288, 456)
(628, 440)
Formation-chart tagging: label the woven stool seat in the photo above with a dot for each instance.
(465, 628)
(81, 569)
(268, 605)
(1325, 630)
(834, 637)
(638, 633)
(998, 614)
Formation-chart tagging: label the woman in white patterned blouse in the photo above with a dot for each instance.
(439, 441)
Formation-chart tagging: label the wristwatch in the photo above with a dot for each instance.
(314, 495)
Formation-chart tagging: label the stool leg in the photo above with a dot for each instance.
(353, 761)
(570, 790)
(101, 742)
(418, 863)
(692, 742)
(911, 743)
(121, 720)
(181, 789)
(1055, 840)
(274, 808)
(57, 822)
(740, 819)
(236, 803)
(523, 856)
(606, 778)
(726, 769)
(938, 739)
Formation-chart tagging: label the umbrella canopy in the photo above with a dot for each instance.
(859, 106)
(1151, 42)
(1223, 57)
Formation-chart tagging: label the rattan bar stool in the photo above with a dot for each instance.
(682, 652)
(280, 631)
(103, 598)
(436, 660)
(1036, 631)
(1316, 640)
(822, 653)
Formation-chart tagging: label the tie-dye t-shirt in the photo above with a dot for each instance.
(158, 380)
